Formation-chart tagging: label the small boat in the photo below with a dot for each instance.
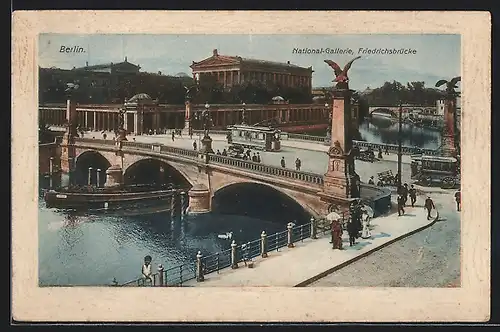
(103, 199)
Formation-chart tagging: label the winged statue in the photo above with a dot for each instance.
(71, 87)
(341, 77)
(190, 91)
(451, 85)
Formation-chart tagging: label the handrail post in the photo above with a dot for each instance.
(160, 274)
(314, 228)
(263, 244)
(234, 262)
(199, 268)
(289, 227)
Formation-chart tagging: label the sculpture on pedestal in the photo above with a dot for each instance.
(122, 133)
(450, 139)
(341, 183)
(71, 124)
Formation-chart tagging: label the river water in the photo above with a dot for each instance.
(93, 249)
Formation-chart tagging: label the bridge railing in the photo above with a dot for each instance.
(179, 151)
(95, 140)
(266, 169)
(214, 263)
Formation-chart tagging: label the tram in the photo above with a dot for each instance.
(428, 170)
(254, 137)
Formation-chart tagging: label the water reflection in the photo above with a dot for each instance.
(92, 249)
(384, 130)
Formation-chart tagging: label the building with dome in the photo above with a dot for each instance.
(142, 114)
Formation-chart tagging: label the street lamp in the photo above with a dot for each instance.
(243, 114)
(206, 142)
(329, 128)
(400, 112)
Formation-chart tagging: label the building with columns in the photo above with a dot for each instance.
(235, 70)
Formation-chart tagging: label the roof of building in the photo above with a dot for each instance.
(218, 59)
(140, 96)
(108, 65)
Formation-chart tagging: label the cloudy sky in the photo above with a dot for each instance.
(437, 56)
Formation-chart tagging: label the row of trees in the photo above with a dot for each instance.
(392, 93)
(106, 88)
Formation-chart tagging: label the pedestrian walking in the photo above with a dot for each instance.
(366, 233)
(380, 153)
(173, 136)
(224, 152)
(401, 209)
(146, 270)
(336, 234)
(298, 163)
(429, 205)
(413, 195)
(283, 162)
(371, 181)
(258, 157)
(386, 150)
(405, 194)
(218, 152)
(352, 231)
(458, 200)
(254, 158)
(194, 145)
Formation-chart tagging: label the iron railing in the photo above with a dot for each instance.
(214, 263)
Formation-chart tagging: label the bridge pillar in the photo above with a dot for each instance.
(199, 199)
(113, 176)
(187, 118)
(341, 183)
(448, 133)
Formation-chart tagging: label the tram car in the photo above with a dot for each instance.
(254, 137)
(429, 170)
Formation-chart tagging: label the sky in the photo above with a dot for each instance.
(437, 56)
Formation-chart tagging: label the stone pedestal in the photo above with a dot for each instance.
(340, 178)
(448, 133)
(206, 145)
(68, 152)
(199, 199)
(113, 176)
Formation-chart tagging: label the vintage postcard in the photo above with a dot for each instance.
(244, 168)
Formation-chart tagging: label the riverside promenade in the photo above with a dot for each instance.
(313, 259)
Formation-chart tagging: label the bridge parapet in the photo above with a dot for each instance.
(267, 169)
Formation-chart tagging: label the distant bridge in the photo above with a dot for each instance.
(407, 111)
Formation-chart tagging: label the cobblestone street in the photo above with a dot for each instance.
(430, 258)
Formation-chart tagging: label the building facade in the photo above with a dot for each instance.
(235, 70)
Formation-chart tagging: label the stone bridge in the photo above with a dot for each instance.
(209, 173)
(407, 111)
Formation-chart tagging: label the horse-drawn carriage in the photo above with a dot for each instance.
(386, 178)
(366, 155)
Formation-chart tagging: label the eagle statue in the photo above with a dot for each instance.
(341, 77)
(451, 85)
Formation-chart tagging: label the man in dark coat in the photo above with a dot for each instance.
(401, 209)
(405, 193)
(413, 195)
(282, 162)
(429, 205)
(352, 231)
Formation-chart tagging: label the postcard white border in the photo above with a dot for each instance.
(471, 302)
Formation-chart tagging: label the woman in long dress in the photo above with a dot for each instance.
(366, 233)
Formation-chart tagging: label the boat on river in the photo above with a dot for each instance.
(109, 199)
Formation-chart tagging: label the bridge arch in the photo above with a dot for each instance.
(252, 199)
(152, 170)
(383, 111)
(95, 160)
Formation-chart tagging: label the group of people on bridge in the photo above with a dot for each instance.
(357, 225)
